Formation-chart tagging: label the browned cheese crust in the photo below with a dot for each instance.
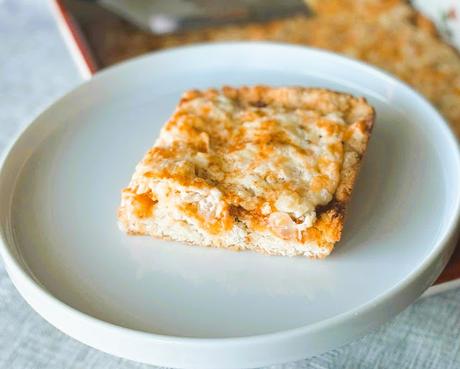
(240, 151)
(330, 217)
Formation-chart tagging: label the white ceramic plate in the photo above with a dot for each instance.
(169, 304)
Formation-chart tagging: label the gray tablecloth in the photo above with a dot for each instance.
(35, 68)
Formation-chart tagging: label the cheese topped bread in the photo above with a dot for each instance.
(259, 168)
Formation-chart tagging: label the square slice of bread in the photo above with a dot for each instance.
(268, 169)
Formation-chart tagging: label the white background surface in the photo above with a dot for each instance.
(34, 69)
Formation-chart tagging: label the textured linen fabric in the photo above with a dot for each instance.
(35, 68)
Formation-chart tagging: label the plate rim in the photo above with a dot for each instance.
(20, 276)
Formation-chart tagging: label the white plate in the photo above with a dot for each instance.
(173, 305)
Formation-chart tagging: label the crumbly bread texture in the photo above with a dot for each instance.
(259, 168)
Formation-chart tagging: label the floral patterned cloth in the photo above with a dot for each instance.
(446, 15)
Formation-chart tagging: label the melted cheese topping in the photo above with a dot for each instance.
(220, 160)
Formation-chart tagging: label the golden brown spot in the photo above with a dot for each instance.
(302, 151)
(319, 182)
(311, 235)
(127, 190)
(323, 163)
(251, 115)
(158, 153)
(330, 225)
(202, 144)
(205, 110)
(336, 148)
(280, 161)
(331, 128)
(348, 133)
(190, 95)
(143, 205)
(361, 126)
